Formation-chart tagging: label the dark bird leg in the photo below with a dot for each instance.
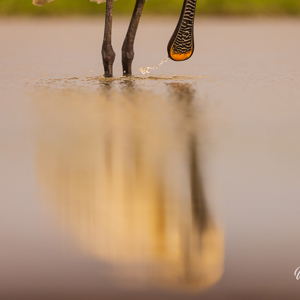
(108, 54)
(127, 49)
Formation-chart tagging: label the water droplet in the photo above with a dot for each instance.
(147, 70)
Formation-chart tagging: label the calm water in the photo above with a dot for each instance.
(152, 187)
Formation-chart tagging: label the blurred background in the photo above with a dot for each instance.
(161, 7)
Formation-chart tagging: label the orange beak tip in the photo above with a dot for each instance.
(180, 56)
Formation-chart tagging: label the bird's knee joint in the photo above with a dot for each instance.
(128, 56)
(108, 55)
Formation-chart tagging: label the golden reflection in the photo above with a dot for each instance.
(123, 175)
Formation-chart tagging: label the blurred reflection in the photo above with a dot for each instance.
(123, 175)
(128, 85)
(184, 94)
(105, 86)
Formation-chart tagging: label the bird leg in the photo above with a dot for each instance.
(127, 49)
(108, 54)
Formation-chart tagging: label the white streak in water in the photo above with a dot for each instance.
(147, 70)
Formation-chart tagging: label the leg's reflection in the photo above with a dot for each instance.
(185, 94)
(124, 177)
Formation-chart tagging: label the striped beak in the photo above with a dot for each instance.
(181, 45)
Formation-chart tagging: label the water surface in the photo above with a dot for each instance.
(232, 110)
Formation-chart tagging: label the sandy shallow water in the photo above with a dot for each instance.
(241, 93)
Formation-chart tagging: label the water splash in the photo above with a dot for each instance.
(147, 69)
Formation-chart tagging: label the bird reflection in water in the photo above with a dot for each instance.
(122, 172)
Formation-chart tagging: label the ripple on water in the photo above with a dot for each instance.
(93, 82)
